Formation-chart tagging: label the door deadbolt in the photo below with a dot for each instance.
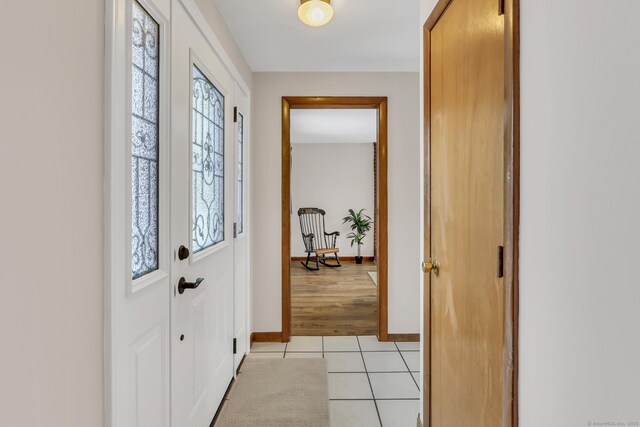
(183, 253)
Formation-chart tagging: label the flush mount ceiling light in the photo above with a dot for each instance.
(315, 13)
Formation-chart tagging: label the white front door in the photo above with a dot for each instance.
(202, 214)
(241, 228)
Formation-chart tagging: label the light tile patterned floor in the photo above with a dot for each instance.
(371, 383)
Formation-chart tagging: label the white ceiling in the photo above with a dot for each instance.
(334, 126)
(364, 35)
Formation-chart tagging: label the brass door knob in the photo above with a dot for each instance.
(431, 265)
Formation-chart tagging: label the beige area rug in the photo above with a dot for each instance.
(374, 277)
(278, 393)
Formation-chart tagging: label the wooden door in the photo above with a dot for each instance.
(465, 104)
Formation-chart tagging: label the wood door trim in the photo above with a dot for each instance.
(435, 15)
(512, 194)
(265, 337)
(404, 337)
(426, 303)
(381, 216)
(286, 219)
(511, 203)
(341, 102)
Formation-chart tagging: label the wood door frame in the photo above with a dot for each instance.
(381, 214)
(511, 11)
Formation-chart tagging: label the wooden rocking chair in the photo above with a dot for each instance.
(317, 241)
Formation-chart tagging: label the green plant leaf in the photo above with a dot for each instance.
(360, 225)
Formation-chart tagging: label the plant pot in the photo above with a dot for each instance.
(358, 260)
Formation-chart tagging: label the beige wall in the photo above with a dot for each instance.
(579, 293)
(51, 215)
(404, 190)
(51, 220)
(336, 178)
(217, 24)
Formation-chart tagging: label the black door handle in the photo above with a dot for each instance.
(183, 284)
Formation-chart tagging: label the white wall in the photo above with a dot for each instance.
(336, 178)
(339, 126)
(579, 283)
(51, 214)
(404, 204)
(579, 293)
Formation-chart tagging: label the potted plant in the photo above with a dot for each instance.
(360, 226)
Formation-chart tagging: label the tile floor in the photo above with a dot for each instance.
(371, 383)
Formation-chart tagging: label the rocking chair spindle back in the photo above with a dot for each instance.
(317, 242)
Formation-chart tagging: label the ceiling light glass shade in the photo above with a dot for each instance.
(315, 13)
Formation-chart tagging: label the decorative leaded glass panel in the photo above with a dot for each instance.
(240, 224)
(144, 142)
(208, 163)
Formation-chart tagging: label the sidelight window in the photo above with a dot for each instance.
(144, 142)
(240, 224)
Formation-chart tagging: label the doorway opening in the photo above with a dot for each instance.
(303, 310)
(333, 265)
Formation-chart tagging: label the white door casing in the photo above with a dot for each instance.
(241, 230)
(202, 318)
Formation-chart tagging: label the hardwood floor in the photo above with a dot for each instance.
(334, 301)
